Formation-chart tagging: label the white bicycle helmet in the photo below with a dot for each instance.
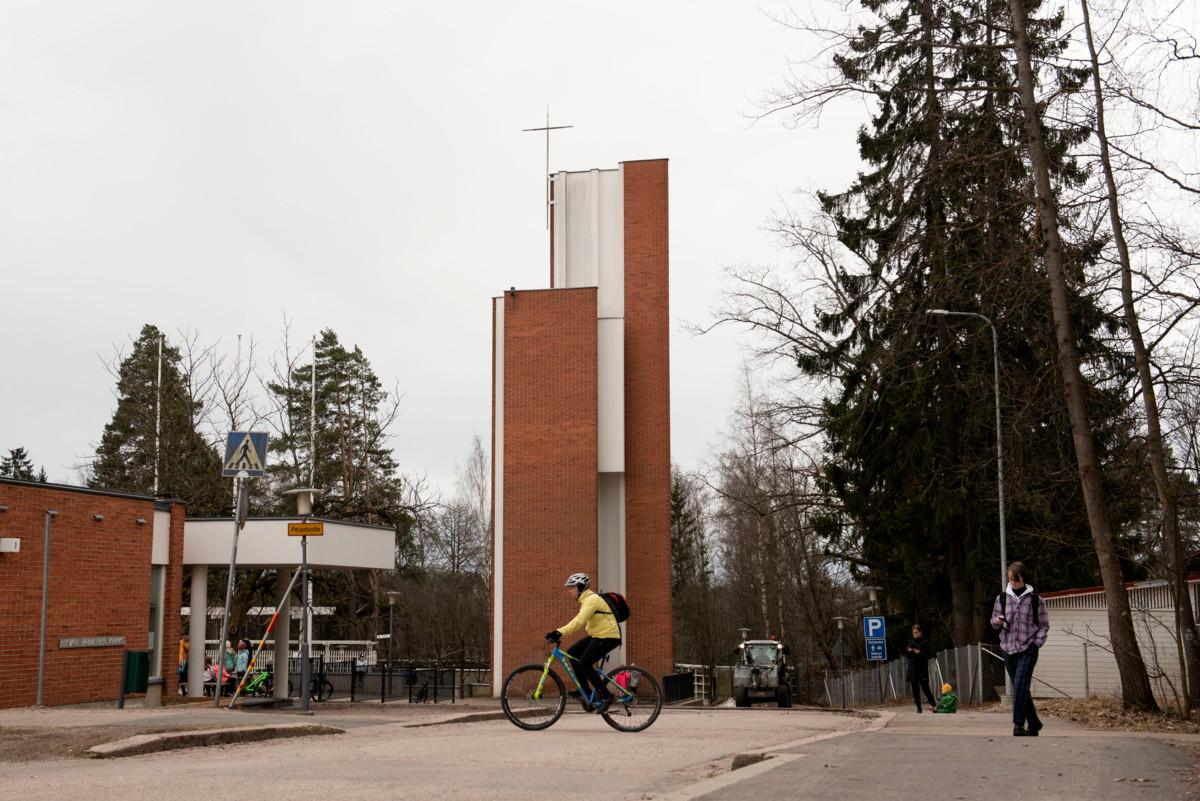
(579, 581)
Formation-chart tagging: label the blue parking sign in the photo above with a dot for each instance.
(874, 628)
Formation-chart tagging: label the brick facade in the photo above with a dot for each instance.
(647, 415)
(99, 586)
(550, 461)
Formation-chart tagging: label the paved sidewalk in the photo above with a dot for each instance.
(973, 756)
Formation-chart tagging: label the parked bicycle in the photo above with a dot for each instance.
(262, 683)
(534, 696)
(319, 687)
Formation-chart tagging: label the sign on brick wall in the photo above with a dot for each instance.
(91, 642)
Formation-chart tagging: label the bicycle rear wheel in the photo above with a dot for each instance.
(638, 698)
(520, 705)
(323, 690)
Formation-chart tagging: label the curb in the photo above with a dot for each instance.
(175, 740)
(469, 717)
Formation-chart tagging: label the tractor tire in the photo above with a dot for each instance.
(783, 696)
(741, 697)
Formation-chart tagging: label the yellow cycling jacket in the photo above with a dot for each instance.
(595, 616)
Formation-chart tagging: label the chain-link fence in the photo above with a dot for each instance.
(976, 672)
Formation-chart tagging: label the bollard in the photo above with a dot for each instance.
(124, 676)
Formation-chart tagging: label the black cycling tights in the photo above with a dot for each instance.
(589, 651)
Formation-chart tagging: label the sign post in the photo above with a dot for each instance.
(875, 633)
(305, 645)
(245, 458)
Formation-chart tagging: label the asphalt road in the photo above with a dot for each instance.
(579, 758)
(686, 755)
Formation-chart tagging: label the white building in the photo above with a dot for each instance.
(1077, 660)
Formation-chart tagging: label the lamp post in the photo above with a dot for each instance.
(841, 650)
(999, 452)
(392, 595)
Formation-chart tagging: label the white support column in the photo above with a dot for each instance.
(283, 631)
(197, 630)
(498, 502)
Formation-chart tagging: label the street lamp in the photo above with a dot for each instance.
(392, 595)
(841, 650)
(999, 452)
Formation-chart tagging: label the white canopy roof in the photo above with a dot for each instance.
(264, 543)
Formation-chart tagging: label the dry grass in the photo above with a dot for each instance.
(1106, 713)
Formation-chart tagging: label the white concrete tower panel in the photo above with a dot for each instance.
(589, 250)
(498, 499)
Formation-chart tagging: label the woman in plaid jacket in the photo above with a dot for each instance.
(1023, 623)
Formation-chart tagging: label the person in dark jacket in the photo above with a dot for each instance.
(919, 652)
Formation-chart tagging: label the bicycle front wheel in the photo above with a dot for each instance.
(529, 702)
(322, 690)
(637, 699)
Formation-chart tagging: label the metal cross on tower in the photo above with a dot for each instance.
(547, 128)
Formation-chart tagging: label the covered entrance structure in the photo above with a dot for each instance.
(264, 544)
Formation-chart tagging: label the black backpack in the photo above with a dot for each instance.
(1033, 606)
(617, 605)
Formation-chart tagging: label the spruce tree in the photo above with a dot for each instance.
(18, 465)
(941, 217)
(188, 467)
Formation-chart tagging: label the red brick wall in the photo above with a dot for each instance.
(647, 415)
(172, 603)
(99, 586)
(550, 481)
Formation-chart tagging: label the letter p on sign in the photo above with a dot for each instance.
(873, 627)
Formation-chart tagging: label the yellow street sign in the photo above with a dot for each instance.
(306, 529)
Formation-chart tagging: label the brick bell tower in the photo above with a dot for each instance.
(581, 423)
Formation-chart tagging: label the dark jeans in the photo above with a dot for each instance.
(589, 651)
(1020, 670)
(917, 686)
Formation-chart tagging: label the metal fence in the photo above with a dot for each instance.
(417, 683)
(358, 679)
(976, 673)
(331, 650)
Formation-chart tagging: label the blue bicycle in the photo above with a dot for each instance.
(534, 696)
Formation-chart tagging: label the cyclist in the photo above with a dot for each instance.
(603, 635)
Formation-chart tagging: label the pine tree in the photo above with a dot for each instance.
(942, 217)
(188, 467)
(353, 468)
(18, 465)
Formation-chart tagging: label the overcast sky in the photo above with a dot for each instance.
(360, 166)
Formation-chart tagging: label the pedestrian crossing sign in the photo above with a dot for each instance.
(245, 454)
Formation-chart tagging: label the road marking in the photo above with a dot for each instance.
(726, 779)
(772, 759)
(876, 725)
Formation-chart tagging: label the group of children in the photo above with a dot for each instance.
(229, 673)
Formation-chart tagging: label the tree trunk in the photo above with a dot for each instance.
(961, 608)
(1185, 620)
(1135, 685)
(982, 609)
